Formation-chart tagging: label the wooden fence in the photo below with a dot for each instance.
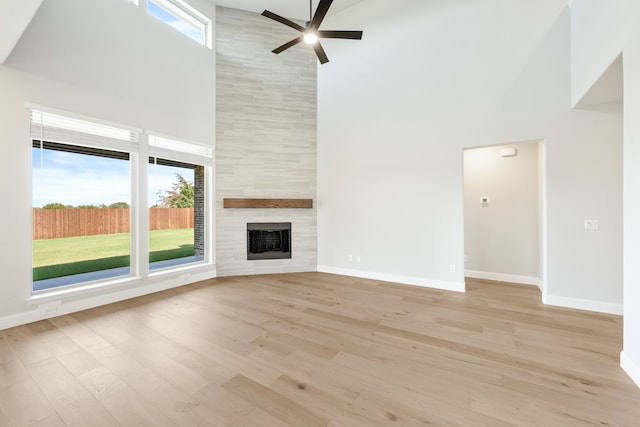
(59, 223)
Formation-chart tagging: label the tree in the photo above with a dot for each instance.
(181, 194)
(116, 205)
(119, 205)
(56, 206)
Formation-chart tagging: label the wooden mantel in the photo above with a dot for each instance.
(267, 203)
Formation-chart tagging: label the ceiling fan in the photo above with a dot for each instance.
(311, 32)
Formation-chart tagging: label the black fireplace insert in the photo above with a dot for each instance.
(268, 240)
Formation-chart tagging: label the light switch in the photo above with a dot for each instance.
(591, 224)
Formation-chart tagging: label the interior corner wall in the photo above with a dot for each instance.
(105, 59)
(597, 34)
(14, 23)
(501, 236)
(631, 352)
(396, 110)
(266, 139)
(600, 31)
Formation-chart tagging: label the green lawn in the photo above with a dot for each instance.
(75, 255)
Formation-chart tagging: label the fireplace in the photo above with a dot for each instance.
(268, 240)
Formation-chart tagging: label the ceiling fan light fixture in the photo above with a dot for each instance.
(311, 32)
(310, 37)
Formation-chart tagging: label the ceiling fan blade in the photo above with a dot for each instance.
(288, 45)
(351, 35)
(282, 20)
(322, 56)
(321, 12)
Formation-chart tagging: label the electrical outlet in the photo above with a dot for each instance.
(452, 268)
(350, 258)
(50, 309)
(358, 258)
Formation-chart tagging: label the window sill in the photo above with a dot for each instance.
(87, 288)
(181, 275)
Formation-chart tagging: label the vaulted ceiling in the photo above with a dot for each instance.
(14, 19)
(15, 15)
(298, 9)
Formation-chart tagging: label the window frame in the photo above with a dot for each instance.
(188, 15)
(201, 230)
(139, 151)
(95, 150)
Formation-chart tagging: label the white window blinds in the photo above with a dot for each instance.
(50, 127)
(189, 152)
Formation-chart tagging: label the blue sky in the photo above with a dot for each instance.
(78, 179)
(176, 23)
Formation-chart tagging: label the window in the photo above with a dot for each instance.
(183, 18)
(81, 193)
(85, 202)
(176, 214)
(177, 188)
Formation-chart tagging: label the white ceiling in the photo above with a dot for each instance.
(298, 9)
(15, 15)
(14, 18)
(606, 94)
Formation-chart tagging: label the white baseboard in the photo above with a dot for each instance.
(18, 319)
(83, 303)
(630, 367)
(501, 277)
(405, 280)
(583, 304)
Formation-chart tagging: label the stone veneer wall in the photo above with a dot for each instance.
(266, 123)
(198, 212)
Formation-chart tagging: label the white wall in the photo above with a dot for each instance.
(127, 56)
(429, 79)
(105, 59)
(597, 24)
(601, 31)
(631, 352)
(501, 237)
(14, 19)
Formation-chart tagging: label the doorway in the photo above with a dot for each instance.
(504, 213)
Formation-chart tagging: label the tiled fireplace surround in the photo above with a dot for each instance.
(265, 139)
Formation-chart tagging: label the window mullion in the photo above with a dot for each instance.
(140, 211)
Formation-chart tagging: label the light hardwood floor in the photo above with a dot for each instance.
(314, 349)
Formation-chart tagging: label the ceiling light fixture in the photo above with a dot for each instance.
(310, 37)
(311, 33)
